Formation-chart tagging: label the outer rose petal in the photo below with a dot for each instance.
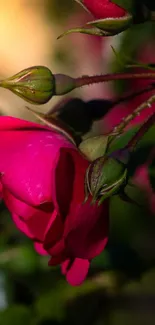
(34, 222)
(18, 207)
(75, 271)
(12, 123)
(37, 226)
(21, 225)
(27, 159)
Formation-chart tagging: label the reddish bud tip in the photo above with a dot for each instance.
(102, 9)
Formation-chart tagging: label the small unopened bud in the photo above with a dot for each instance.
(109, 18)
(37, 85)
(105, 177)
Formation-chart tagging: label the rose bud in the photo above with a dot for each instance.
(38, 85)
(104, 178)
(110, 19)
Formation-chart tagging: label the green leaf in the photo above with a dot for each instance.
(122, 140)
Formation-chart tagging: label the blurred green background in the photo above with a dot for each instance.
(120, 288)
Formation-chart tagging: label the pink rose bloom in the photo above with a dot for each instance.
(102, 9)
(42, 184)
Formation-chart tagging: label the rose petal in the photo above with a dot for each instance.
(54, 241)
(21, 225)
(62, 180)
(56, 248)
(86, 226)
(18, 207)
(56, 260)
(40, 223)
(27, 159)
(1, 188)
(12, 123)
(75, 271)
(73, 179)
(37, 226)
(39, 249)
(88, 233)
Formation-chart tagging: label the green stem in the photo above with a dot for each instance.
(132, 96)
(89, 80)
(120, 128)
(140, 133)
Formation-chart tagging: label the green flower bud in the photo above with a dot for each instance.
(105, 177)
(37, 85)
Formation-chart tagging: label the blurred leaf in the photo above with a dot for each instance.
(52, 303)
(132, 287)
(102, 261)
(138, 158)
(150, 4)
(131, 44)
(59, 9)
(16, 314)
(129, 315)
(126, 4)
(21, 259)
(126, 220)
(148, 281)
